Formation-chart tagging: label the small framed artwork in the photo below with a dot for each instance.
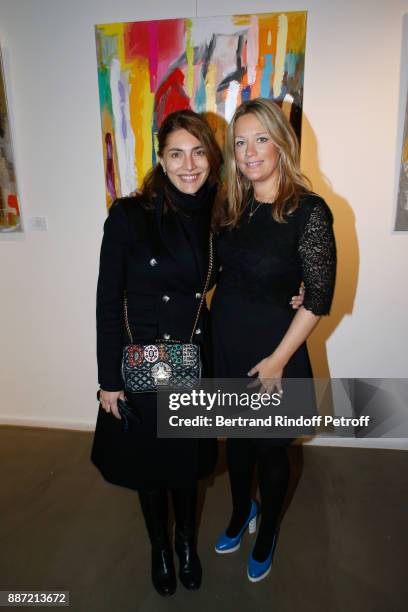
(401, 217)
(10, 218)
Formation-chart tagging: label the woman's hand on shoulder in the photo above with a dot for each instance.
(135, 193)
(109, 401)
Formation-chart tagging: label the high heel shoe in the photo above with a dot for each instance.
(257, 570)
(226, 544)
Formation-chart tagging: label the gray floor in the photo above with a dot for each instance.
(343, 544)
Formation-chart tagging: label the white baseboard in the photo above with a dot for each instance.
(48, 423)
(390, 443)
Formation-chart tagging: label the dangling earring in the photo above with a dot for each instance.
(164, 170)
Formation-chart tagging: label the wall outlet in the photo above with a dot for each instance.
(38, 224)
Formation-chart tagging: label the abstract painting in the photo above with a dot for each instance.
(148, 69)
(10, 220)
(401, 219)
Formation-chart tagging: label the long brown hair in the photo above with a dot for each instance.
(196, 125)
(291, 182)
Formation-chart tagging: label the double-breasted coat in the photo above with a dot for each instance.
(160, 258)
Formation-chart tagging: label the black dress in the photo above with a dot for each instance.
(161, 259)
(262, 265)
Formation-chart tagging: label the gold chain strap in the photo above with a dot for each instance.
(126, 318)
(207, 282)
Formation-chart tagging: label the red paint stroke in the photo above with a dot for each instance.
(161, 42)
(171, 37)
(153, 54)
(12, 203)
(110, 168)
(171, 96)
(136, 40)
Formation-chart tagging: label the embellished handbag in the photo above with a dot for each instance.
(163, 363)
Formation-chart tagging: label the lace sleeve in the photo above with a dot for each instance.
(317, 250)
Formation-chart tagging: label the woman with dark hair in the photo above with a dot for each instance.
(156, 249)
(273, 234)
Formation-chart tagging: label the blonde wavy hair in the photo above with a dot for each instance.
(291, 182)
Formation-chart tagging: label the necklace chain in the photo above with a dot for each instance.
(253, 210)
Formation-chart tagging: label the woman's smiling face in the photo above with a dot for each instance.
(256, 155)
(185, 161)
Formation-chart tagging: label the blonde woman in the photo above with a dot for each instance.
(273, 234)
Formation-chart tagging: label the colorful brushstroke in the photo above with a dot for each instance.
(149, 69)
(10, 220)
(401, 219)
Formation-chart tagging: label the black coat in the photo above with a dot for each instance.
(161, 261)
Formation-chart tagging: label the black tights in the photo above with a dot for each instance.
(273, 477)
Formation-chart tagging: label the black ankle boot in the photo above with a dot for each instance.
(190, 572)
(155, 511)
(163, 572)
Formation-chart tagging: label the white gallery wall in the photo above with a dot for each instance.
(351, 145)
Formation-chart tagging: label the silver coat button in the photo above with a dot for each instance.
(165, 298)
(198, 331)
(198, 295)
(153, 262)
(166, 336)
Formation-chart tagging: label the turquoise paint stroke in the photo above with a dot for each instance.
(266, 76)
(291, 61)
(105, 96)
(201, 97)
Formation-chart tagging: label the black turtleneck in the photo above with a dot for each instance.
(192, 203)
(193, 215)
